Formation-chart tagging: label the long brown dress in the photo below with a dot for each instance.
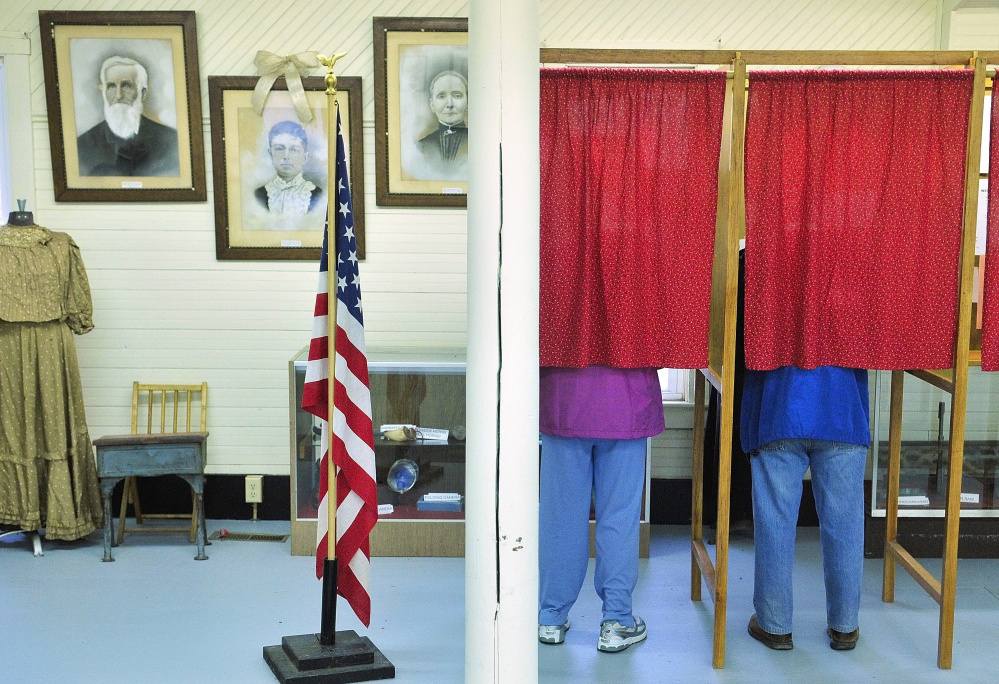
(48, 477)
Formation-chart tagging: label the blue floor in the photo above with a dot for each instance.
(156, 615)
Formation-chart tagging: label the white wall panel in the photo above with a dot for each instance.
(166, 310)
(730, 24)
(974, 29)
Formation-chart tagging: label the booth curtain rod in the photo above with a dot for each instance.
(989, 73)
(768, 57)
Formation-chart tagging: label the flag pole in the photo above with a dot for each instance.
(331, 657)
(327, 635)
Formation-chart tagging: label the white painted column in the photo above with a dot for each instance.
(501, 517)
(15, 49)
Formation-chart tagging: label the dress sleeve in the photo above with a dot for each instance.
(77, 305)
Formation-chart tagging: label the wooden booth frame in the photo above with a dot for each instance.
(730, 227)
(245, 230)
(409, 53)
(75, 45)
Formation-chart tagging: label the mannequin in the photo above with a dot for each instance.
(20, 217)
(23, 218)
(48, 476)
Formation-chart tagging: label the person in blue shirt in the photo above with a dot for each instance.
(792, 420)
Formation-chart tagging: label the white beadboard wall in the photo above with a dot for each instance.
(973, 25)
(167, 311)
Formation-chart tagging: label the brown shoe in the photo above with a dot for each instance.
(843, 641)
(778, 642)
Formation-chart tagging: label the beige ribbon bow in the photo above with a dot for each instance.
(270, 66)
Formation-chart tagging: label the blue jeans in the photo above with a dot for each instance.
(573, 469)
(838, 485)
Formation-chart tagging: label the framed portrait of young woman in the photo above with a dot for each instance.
(270, 169)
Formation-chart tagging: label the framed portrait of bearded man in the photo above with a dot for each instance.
(421, 111)
(124, 106)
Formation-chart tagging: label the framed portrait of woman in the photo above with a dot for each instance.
(421, 111)
(271, 169)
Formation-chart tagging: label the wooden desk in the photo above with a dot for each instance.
(181, 454)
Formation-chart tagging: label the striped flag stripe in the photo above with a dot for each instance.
(346, 511)
(362, 455)
(355, 387)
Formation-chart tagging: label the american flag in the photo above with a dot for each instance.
(353, 439)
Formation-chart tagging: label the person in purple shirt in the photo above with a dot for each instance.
(793, 420)
(594, 424)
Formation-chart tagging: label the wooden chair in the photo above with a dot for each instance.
(167, 408)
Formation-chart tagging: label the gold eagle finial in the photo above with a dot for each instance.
(328, 62)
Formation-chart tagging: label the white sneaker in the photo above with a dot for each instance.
(552, 634)
(616, 637)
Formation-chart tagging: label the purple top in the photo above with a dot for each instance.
(599, 402)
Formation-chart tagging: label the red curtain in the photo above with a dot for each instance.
(990, 295)
(629, 181)
(854, 195)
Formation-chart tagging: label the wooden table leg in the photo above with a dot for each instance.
(199, 494)
(107, 487)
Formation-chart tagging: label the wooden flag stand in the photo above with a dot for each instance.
(330, 657)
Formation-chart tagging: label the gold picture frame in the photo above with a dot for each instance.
(124, 106)
(245, 227)
(421, 141)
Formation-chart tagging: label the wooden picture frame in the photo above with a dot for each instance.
(421, 141)
(123, 92)
(246, 228)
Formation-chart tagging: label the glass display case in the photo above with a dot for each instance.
(925, 454)
(418, 415)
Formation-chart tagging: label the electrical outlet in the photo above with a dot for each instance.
(254, 489)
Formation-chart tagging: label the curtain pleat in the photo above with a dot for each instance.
(629, 187)
(854, 196)
(990, 294)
